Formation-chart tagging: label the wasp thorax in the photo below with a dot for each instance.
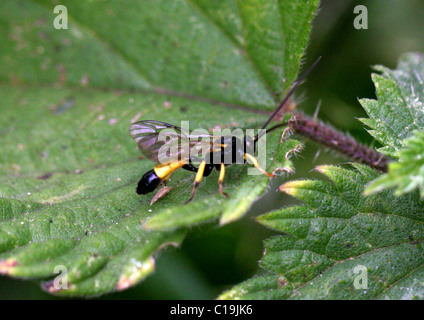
(230, 150)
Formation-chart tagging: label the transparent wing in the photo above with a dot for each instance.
(159, 140)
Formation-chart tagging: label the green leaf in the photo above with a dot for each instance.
(398, 110)
(335, 236)
(408, 173)
(68, 166)
(397, 120)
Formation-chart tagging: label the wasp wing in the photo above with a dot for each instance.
(151, 136)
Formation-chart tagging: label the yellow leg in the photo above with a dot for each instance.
(199, 176)
(220, 179)
(256, 164)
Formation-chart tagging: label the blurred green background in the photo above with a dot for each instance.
(215, 259)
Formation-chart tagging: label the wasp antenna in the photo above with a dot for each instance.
(257, 137)
(289, 94)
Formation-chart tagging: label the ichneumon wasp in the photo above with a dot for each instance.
(146, 134)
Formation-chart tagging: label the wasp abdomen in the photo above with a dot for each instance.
(148, 183)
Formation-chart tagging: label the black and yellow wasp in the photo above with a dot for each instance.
(146, 134)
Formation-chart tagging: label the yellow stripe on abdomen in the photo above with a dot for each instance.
(164, 170)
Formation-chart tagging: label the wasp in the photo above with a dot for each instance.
(146, 133)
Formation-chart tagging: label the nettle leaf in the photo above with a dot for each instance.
(407, 174)
(398, 110)
(397, 120)
(340, 244)
(68, 166)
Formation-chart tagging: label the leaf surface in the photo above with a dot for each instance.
(397, 122)
(338, 238)
(68, 166)
(398, 110)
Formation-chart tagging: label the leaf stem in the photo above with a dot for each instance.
(337, 141)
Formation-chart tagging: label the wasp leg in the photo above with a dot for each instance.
(199, 176)
(256, 164)
(220, 179)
